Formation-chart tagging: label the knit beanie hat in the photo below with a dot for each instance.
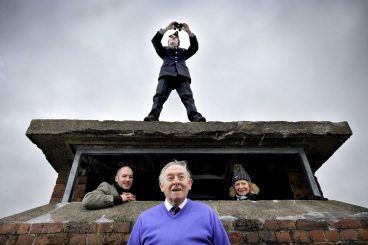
(240, 174)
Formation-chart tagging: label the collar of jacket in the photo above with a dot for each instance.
(119, 189)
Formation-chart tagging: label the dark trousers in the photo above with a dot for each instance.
(163, 90)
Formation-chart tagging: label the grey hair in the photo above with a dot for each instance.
(175, 162)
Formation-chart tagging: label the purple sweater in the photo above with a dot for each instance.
(196, 223)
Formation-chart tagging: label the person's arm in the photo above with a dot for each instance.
(156, 40)
(135, 236)
(102, 197)
(219, 234)
(193, 48)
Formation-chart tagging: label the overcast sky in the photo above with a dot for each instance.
(257, 61)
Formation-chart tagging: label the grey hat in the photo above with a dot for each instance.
(240, 174)
(175, 34)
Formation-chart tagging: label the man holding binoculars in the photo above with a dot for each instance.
(174, 73)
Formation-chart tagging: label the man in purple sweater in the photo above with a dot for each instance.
(178, 220)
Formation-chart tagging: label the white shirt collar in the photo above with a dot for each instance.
(169, 206)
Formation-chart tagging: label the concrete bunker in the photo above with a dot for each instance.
(281, 157)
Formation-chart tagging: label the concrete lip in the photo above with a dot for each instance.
(226, 210)
(58, 139)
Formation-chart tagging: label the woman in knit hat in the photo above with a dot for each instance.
(242, 188)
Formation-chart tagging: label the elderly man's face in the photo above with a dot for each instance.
(242, 187)
(173, 41)
(124, 178)
(176, 184)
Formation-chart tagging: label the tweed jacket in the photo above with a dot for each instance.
(174, 58)
(102, 197)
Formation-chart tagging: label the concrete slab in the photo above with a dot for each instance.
(58, 139)
(227, 211)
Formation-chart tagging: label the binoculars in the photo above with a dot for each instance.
(178, 26)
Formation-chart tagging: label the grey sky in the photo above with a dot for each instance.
(257, 61)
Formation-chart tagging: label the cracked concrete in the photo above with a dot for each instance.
(227, 210)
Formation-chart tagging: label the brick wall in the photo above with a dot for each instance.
(65, 233)
(344, 231)
(78, 189)
(62, 179)
(347, 231)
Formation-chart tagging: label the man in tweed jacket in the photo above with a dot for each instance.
(107, 195)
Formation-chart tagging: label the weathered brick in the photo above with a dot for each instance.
(228, 225)
(46, 228)
(121, 226)
(2, 239)
(311, 225)
(235, 237)
(332, 236)
(8, 228)
(58, 191)
(11, 240)
(317, 236)
(252, 237)
(283, 236)
(77, 199)
(14, 229)
(88, 228)
(23, 228)
(79, 191)
(267, 236)
(363, 223)
(59, 239)
(363, 234)
(125, 238)
(41, 240)
(71, 227)
(76, 227)
(105, 227)
(82, 180)
(348, 235)
(55, 199)
(62, 177)
(95, 239)
(59, 188)
(248, 225)
(77, 239)
(25, 239)
(346, 224)
(334, 224)
(279, 225)
(64, 173)
(113, 239)
(300, 236)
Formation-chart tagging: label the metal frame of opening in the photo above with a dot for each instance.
(81, 150)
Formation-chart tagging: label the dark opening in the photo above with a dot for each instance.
(212, 173)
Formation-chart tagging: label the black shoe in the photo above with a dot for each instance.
(150, 118)
(198, 119)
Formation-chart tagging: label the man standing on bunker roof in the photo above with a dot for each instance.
(174, 73)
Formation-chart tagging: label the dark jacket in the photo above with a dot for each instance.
(174, 58)
(249, 196)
